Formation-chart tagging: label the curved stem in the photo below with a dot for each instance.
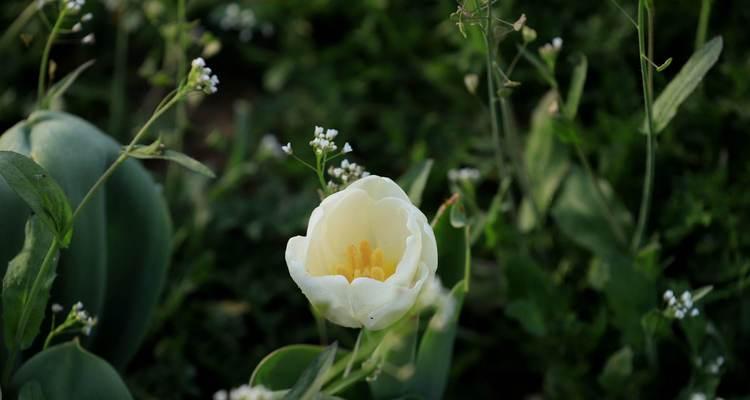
(125, 154)
(45, 58)
(647, 99)
(18, 23)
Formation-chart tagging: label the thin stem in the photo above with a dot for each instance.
(354, 353)
(181, 119)
(619, 7)
(125, 154)
(649, 177)
(45, 57)
(18, 23)
(515, 59)
(348, 381)
(700, 36)
(117, 103)
(26, 310)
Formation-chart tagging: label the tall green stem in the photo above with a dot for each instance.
(45, 57)
(126, 153)
(700, 35)
(644, 13)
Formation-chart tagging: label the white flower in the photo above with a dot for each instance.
(221, 395)
(347, 148)
(668, 295)
(464, 175)
(88, 39)
(557, 43)
(56, 308)
(331, 134)
(77, 27)
(87, 17)
(367, 255)
(287, 148)
(200, 77)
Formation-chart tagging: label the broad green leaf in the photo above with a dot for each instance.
(576, 88)
(20, 329)
(311, 381)
(59, 88)
(31, 391)
(452, 242)
(617, 370)
(684, 83)
(415, 180)
(546, 160)
(157, 151)
(282, 368)
(581, 215)
(436, 348)
(68, 372)
(45, 197)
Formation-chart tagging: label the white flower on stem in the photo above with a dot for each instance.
(77, 27)
(464, 175)
(200, 77)
(244, 392)
(682, 306)
(323, 140)
(88, 39)
(367, 256)
(75, 5)
(347, 148)
(287, 148)
(56, 308)
(347, 173)
(87, 17)
(557, 43)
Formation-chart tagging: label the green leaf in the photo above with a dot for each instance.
(452, 242)
(415, 180)
(401, 359)
(31, 391)
(156, 150)
(45, 197)
(581, 215)
(282, 368)
(59, 88)
(436, 348)
(617, 370)
(311, 381)
(21, 328)
(546, 160)
(684, 83)
(68, 372)
(576, 89)
(529, 315)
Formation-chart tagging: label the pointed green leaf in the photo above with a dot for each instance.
(576, 89)
(23, 311)
(452, 236)
(157, 151)
(401, 359)
(684, 83)
(617, 370)
(415, 180)
(282, 368)
(45, 197)
(62, 86)
(311, 381)
(68, 372)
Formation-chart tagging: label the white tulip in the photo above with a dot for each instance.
(367, 255)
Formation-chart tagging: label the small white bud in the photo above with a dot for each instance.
(694, 313)
(77, 27)
(331, 133)
(287, 148)
(88, 39)
(557, 43)
(198, 63)
(347, 148)
(87, 17)
(318, 130)
(56, 308)
(668, 295)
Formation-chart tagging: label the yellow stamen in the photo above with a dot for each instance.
(364, 262)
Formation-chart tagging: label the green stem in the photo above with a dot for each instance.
(45, 58)
(181, 119)
(647, 99)
(19, 23)
(117, 104)
(700, 36)
(125, 153)
(26, 310)
(365, 350)
(345, 383)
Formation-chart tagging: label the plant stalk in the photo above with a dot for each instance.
(43, 67)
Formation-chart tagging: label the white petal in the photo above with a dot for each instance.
(379, 188)
(377, 304)
(329, 294)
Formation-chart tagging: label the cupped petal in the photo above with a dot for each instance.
(377, 305)
(379, 187)
(429, 244)
(328, 294)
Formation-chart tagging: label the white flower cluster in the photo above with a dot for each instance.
(714, 366)
(200, 77)
(245, 392)
(681, 306)
(74, 5)
(345, 174)
(463, 175)
(84, 318)
(323, 141)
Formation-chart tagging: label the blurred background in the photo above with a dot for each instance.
(389, 75)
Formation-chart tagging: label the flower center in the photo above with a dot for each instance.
(364, 262)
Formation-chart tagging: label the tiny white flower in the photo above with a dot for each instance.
(331, 134)
(318, 130)
(78, 306)
(364, 272)
(87, 17)
(679, 314)
(88, 39)
(668, 295)
(56, 308)
(221, 395)
(287, 148)
(698, 396)
(557, 43)
(694, 312)
(198, 62)
(77, 27)
(347, 148)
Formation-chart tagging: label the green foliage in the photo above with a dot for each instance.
(67, 372)
(281, 369)
(40, 192)
(311, 380)
(33, 268)
(155, 151)
(121, 240)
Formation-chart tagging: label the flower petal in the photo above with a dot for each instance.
(328, 294)
(379, 188)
